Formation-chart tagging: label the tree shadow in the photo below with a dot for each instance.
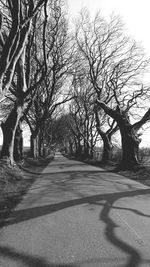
(29, 260)
(60, 170)
(31, 213)
(33, 261)
(107, 202)
(134, 255)
(110, 198)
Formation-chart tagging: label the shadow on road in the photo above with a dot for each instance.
(27, 214)
(110, 199)
(106, 201)
(29, 261)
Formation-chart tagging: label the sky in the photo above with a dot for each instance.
(135, 15)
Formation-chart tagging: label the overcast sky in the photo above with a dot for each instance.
(135, 14)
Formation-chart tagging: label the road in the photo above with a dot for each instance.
(76, 215)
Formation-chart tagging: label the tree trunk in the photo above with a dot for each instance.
(41, 144)
(130, 147)
(76, 145)
(79, 150)
(18, 144)
(91, 151)
(107, 149)
(34, 146)
(129, 136)
(71, 147)
(86, 149)
(9, 129)
(107, 146)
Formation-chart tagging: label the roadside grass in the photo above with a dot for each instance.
(140, 173)
(13, 185)
(15, 182)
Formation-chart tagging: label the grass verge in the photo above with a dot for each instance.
(140, 174)
(14, 184)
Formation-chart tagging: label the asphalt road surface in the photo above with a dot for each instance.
(76, 215)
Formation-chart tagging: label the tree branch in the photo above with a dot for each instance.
(140, 123)
(112, 113)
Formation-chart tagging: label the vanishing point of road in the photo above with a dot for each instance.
(77, 215)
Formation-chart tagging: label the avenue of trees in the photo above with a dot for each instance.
(75, 87)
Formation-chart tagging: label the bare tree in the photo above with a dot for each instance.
(129, 133)
(81, 111)
(115, 65)
(106, 130)
(57, 59)
(13, 72)
(18, 16)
